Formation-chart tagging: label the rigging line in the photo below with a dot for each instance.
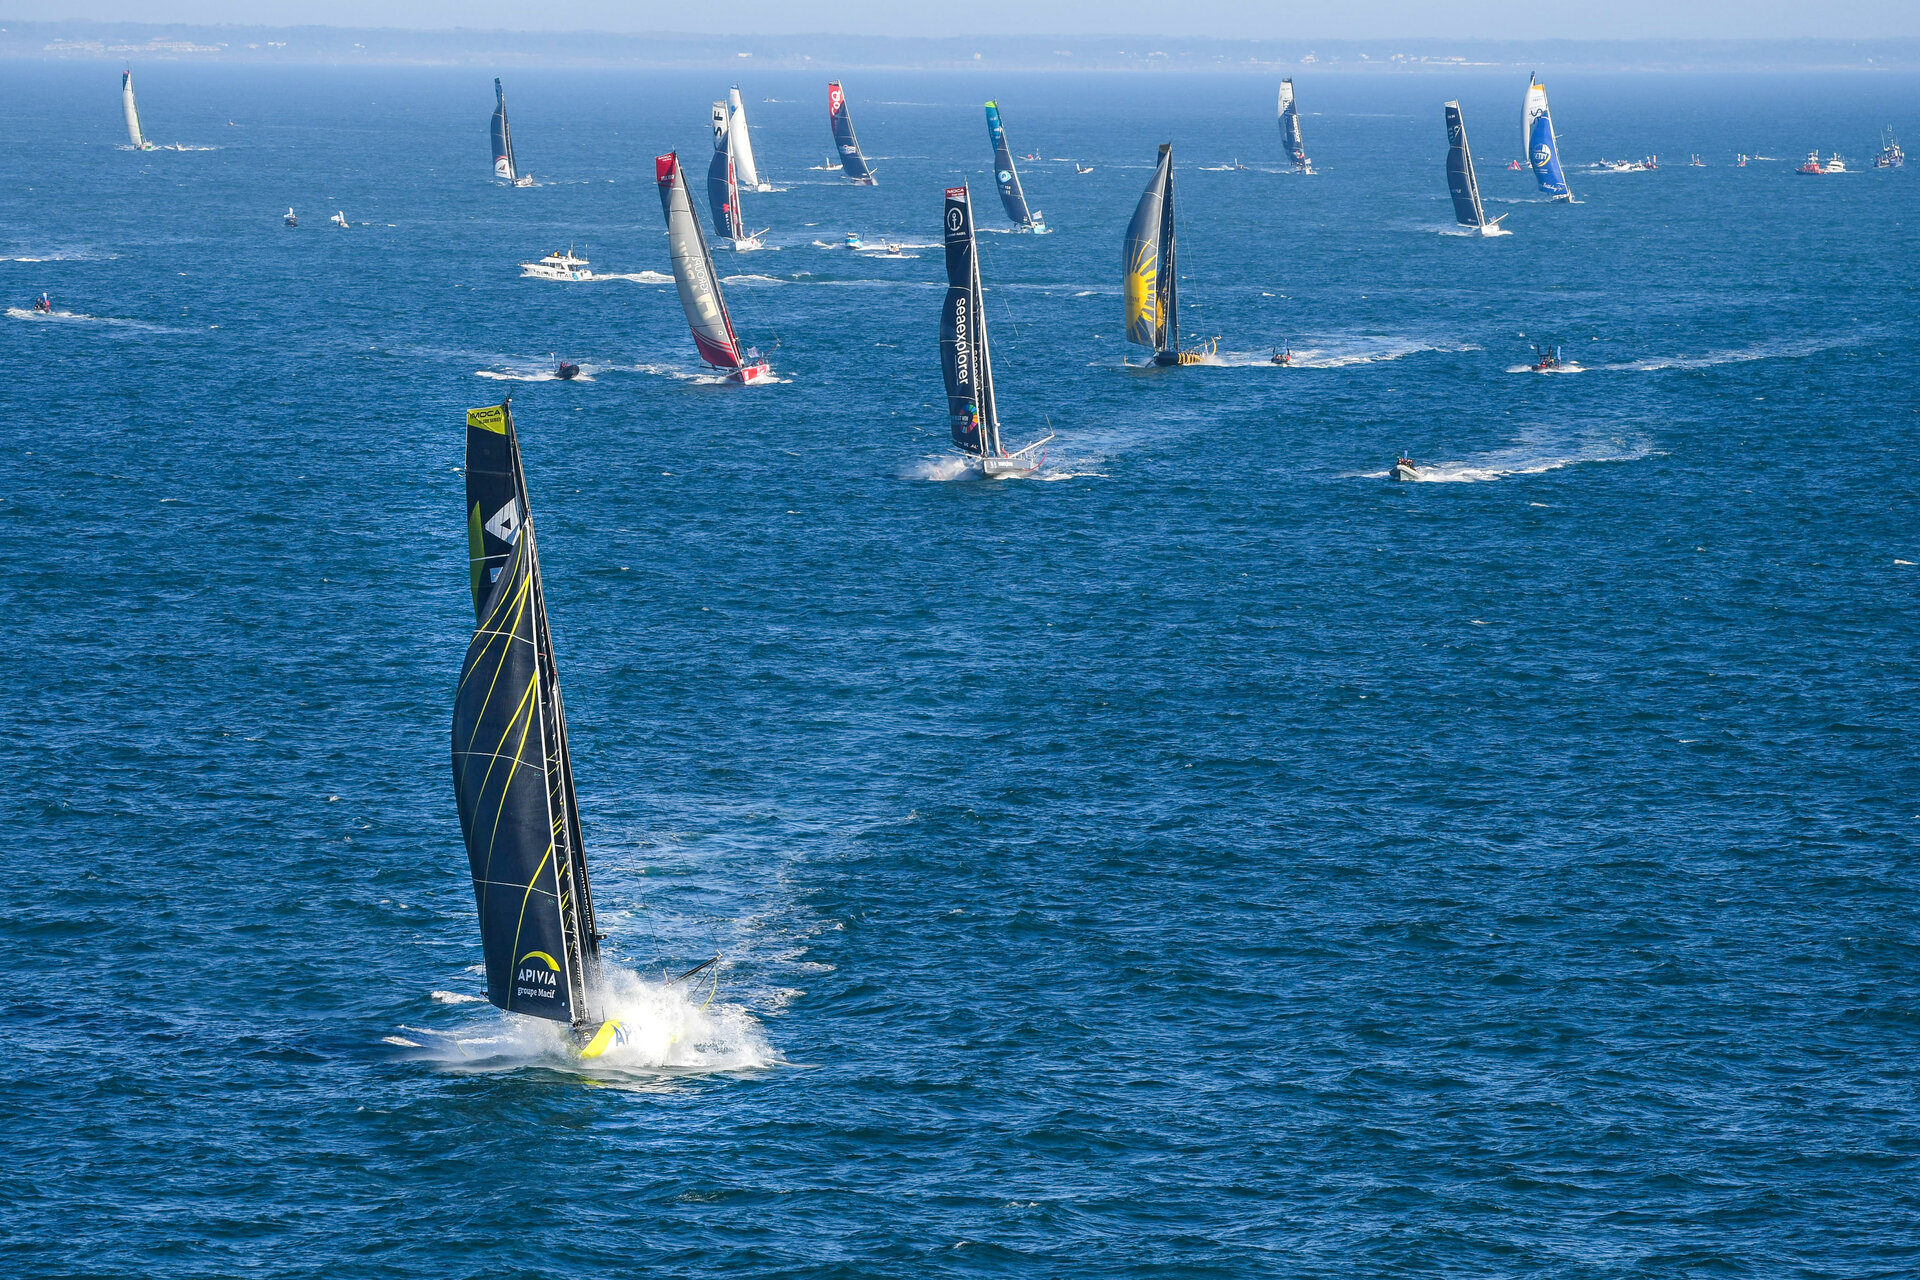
(704, 964)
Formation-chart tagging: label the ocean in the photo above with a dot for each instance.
(1204, 858)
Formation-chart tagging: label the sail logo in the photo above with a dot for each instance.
(1541, 155)
(955, 219)
(1006, 175)
(836, 99)
(962, 343)
(538, 975)
(506, 522)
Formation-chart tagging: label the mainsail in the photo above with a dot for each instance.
(503, 137)
(133, 115)
(512, 775)
(1290, 126)
(1011, 196)
(852, 163)
(693, 269)
(1467, 209)
(723, 190)
(1150, 284)
(1543, 152)
(971, 414)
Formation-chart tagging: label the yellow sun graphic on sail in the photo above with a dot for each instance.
(1143, 300)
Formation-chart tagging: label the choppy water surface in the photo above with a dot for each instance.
(1209, 860)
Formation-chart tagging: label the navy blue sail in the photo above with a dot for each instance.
(963, 336)
(1467, 209)
(503, 166)
(1012, 198)
(723, 190)
(852, 163)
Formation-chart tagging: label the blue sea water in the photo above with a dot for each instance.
(1205, 859)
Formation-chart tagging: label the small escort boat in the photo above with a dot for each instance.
(1740, 160)
(43, 304)
(1282, 357)
(973, 415)
(1403, 469)
(854, 241)
(290, 218)
(557, 266)
(565, 370)
(339, 219)
(1651, 162)
(1695, 162)
(1549, 360)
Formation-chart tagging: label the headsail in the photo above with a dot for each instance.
(742, 140)
(503, 166)
(964, 360)
(134, 135)
(1467, 209)
(723, 190)
(1011, 196)
(1290, 126)
(852, 163)
(1543, 151)
(693, 269)
(1148, 284)
(512, 776)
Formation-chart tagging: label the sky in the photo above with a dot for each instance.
(1257, 19)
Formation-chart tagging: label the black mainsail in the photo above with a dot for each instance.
(503, 165)
(512, 775)
(853, 162)
(1150, 280)
(1012, 198)
(966, 361)
(1467, 209)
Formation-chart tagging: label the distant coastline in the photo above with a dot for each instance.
(120, 41)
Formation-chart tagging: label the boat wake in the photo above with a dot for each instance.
(1569, 366)
(699, 377)
(636, 277)
(1335, 353)
(1533, 455)
(671, 1031)
(81, 317)
(1783, 349)
(534, 374)
(750, 279)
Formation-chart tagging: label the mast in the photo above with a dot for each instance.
(513, 774)
(693, 271)
(503, 166)
(1169, 273)
(132, 113)
(1467, 209)
(989, 406)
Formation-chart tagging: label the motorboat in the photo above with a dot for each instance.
(1078, 168)
(557, 266)
(1695, 162)
(1835, 164)
(565, 370)
(1812, 165)
(290, 218)
(1651, 162)
(43, 304)
(1403, 469)
(1549, 360)
(853, 238)
(1282, 357)
(1740, 161)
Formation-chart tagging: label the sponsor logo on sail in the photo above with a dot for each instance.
(506, 522)
(1541, 155)
(1006, 175)
(537, 975)
(955, 219)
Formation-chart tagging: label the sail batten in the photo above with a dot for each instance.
(503, 164)
(693, 271)
(852, 163)
(1543, 149)
(1461, 183)
(513, 779)
(1012, 197)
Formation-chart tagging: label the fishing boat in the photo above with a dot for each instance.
(1012, 198)
(693, 272)
(503, 165)
(339, 219)
(1467, 209)
(1812, 165)
(1543, 151)
(852, 163)
(1290, 129)
(1891, 156)
(557, 266)
(730, 118)
(135, 138)
(965, 360)
(1403, 469)
(512, 776)
(723, 197)
(1150, 285)
(290, 218)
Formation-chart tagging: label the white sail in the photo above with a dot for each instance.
(743, 167)
(133, 114)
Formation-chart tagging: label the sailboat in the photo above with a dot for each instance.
(503, 166)
(1290, 129)
(852, 163)
(693, 272)
(723, 194)
(1543, 152)
(1467, 209)
(1151, 284)
(512, 777)
(134, 136)
(1012, 198)
(731, 117)
(964, 356)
